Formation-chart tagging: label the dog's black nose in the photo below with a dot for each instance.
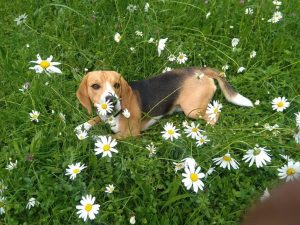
(111, 99)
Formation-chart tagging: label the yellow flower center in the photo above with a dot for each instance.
(195, 129)
(201, 140)
(171, 132)
(280, 104)
(44, 64)
(256, 151)
(181, 56)
(216, 110)
(227, 158)
(81, 137)
(88, 207)
(76, 171)
(290, 171)
(106, 147)
(35, 116)
(104, 106)
(194, 177)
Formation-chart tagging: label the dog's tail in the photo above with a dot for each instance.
(230, 94)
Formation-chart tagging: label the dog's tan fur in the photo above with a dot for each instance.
(195, 93)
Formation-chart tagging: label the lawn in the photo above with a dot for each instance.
(258, 50)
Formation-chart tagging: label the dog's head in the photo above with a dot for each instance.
(102, 86)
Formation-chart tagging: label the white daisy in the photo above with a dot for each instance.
(207, 15)
(265, 195)
(171, 58)
(287, 158)
(252, 54)
(225, 67)
(166, 69)
(152, 149)
(111, 121)
(31, 203)
(213, 110)
(297, 119)
(234, 42)
(193, 130)
(258, 155)
(280, 103)
(2, 187)
(87, 209)
(189, 162)
(290, 172)
(226, 161)
(132, 220)
(25, 87)
(126, 113)
(277, 16)
(161, 45)
(109, 189)
(185, 124)
(241, 69)
(105, 146)
(151, 40)
(147, 6)
(201, 140)
(181, 58)
(193, 178)
(139, 33)
(199, 75)
(73, 170)
(178, 166)
(248, 11)
(131, 8)
(257, 102)
(132, 49)
(105, 108)
(21, 19)
(297, 137)
(81, 134)
(46, 66)
(2, 204)
(62, 117)
(85, 126)
(11, 165)
(170, 132)
(209, 171)
(277, 3)
(34, 116)
(268, 127)
(117, 37)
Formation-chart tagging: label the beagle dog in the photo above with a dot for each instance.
(188, 89)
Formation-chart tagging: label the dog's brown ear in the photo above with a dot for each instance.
(82, 95)
(125, 90)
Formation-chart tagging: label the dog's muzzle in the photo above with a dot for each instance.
(111, 98)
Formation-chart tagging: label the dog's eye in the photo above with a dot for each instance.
(95, 86)
(117, 85)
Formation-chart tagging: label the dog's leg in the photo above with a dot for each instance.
(88, 125)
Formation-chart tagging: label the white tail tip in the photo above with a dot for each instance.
(241, 100)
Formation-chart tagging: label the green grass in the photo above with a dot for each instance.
(80, 35)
